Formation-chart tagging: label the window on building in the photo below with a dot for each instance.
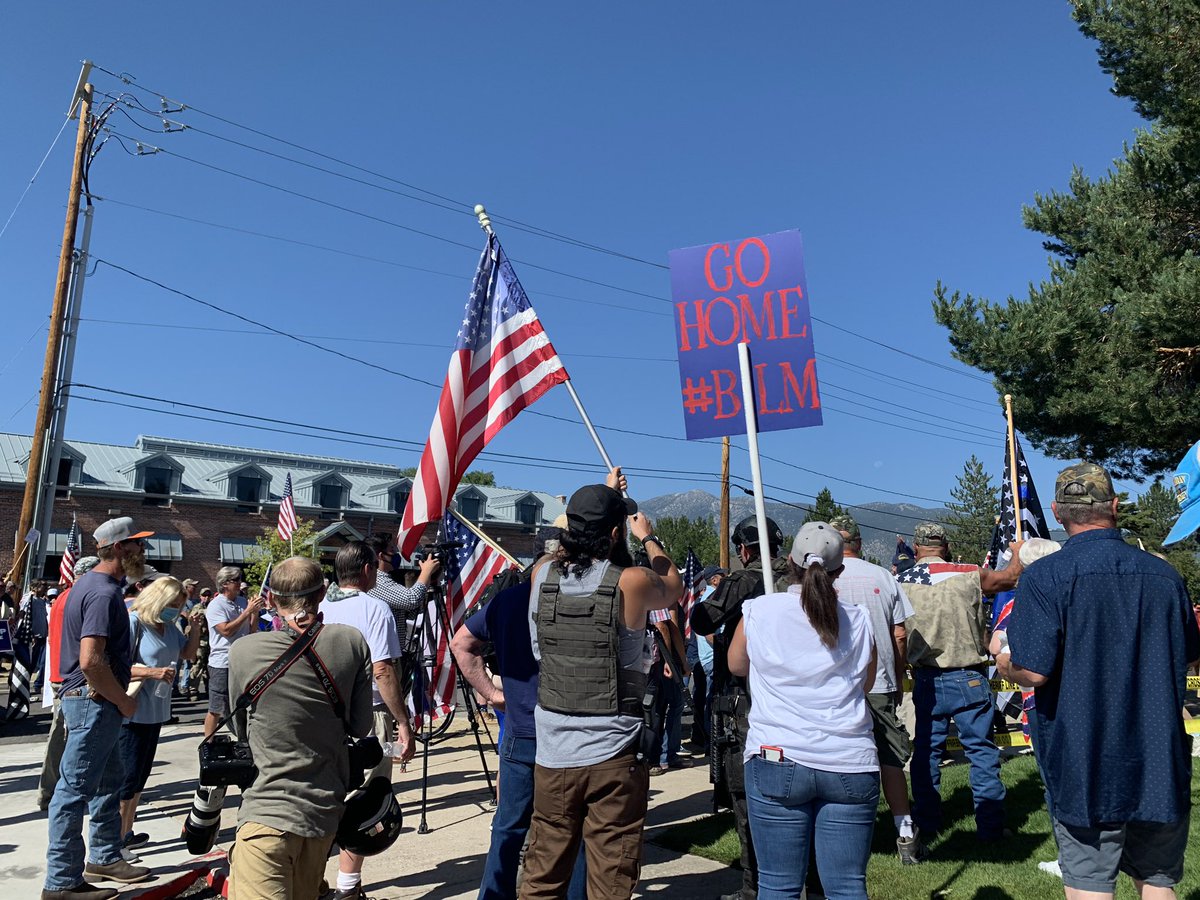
(400, 500)
(64, 477)
(157, 480)
(329, 496)
(527, 512)
(248, 488)
(471, 508)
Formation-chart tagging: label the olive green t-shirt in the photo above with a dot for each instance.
(299, 744)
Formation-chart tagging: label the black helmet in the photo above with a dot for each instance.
(745, 533)
(372, 820)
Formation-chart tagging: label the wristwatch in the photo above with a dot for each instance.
(655, 538)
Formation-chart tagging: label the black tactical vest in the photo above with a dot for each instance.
(579, 639)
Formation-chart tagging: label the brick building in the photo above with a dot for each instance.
(207, 503)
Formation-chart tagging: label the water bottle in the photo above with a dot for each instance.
(162, 690)
(391, 750)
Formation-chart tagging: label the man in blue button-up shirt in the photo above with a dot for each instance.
(1104, 632)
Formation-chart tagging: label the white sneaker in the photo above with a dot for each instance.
(1051, 868)
(129, 856)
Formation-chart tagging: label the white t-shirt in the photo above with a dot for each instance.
(219, 611)
(872, 588)
(808, 699)
(373, 619)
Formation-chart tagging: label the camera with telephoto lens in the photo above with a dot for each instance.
(439, 551)
(224, 761)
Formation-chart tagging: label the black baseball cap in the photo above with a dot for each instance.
(597, 508)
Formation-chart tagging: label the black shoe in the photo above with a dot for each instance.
(82, 891)
(132, 840)
(119, 871)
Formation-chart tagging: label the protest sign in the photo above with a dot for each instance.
(751, 291)
(5, 639)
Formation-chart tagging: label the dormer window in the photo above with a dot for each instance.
(470, 507)
(329, 495)
(157, 480)
(400, 499)
(248, 488)
(528, 511)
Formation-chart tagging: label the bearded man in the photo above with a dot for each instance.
(94, 661)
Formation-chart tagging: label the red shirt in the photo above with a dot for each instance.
(54, 639)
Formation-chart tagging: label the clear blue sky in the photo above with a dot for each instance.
(901, 139)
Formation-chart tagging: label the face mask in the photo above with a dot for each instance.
(170, 614)
(396, 560)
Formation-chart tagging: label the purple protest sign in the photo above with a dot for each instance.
(751, 291)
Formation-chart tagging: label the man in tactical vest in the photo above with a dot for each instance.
(731, 695)
(587, 617)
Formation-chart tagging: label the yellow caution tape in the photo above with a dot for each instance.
(1011, 739)
(999, 684)
(1193, 683)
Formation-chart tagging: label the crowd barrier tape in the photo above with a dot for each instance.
(1018, 739)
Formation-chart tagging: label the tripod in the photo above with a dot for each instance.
(437, 599)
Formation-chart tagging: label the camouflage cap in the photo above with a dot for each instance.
(927, 534)
(846, 524)
(1083, 483)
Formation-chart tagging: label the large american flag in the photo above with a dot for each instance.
(691, 571)
(502, 362)
(66, 569)
(287, 511)
(469, 570)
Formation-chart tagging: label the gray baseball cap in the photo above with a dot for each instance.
(116, 530)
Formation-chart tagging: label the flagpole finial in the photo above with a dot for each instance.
(484, 222)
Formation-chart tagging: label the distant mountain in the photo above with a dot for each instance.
(879, 522)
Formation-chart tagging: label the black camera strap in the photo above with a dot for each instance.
(301, 644)
(327, 682)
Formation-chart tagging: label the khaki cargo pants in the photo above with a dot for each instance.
(269, 864)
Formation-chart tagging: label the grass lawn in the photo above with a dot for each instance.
(958, 868)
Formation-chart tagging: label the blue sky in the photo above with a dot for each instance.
(901, 139)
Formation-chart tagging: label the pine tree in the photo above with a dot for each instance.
(972, 513)
(1102, 358)
(679, 533)
(824, 509)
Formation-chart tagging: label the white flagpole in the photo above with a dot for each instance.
(483, 536)
(760, 507)
(486, 224)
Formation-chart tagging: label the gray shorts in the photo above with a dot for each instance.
(891, 738)
(1151, 852)
(218, 691)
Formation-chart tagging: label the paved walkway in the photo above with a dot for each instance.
(445, 863)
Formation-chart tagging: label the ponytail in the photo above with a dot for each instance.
(819, 600)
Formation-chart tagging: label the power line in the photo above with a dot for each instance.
(362, 439)
(36, 173)
(129, 80)
(884, 378)
(374, 218)
(536, 230)
(457, 276)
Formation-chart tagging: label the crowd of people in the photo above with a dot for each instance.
(592, 659)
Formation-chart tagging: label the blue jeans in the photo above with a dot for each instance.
(965, 696)
(790, 805)
(511, 823)
(90, 777)
(671, 702)
(185, 676)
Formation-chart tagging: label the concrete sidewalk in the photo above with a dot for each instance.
(445, 863)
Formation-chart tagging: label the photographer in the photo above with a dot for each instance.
(346, 603)
(290, 814)
(587, 617)
(404, 602)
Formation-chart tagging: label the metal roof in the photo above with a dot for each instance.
(111, 467)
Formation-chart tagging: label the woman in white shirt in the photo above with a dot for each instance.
(812, 771)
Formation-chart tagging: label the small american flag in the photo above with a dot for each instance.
(66, 569)
(502, 362)
(691, 571)
(287, 511)
(469, 571)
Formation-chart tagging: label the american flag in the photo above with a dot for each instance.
(266, 618)
(502, 362)
(287, 511)
(1033, 524)
(934, 573)
(469, 570)
(66, 569)
(691, 571)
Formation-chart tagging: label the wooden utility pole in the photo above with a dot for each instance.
(724, 536)
(37, 447)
